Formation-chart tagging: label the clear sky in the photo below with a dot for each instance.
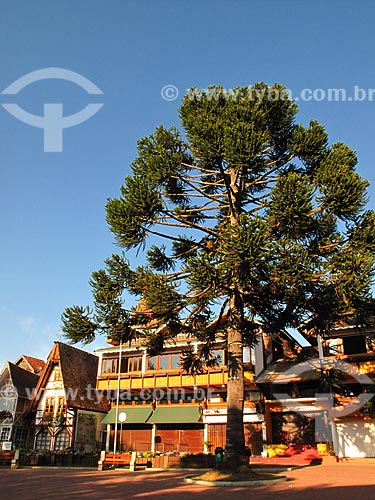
(53, 229)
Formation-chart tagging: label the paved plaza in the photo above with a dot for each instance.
(343, 481)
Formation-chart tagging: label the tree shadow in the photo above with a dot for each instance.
(48, 484)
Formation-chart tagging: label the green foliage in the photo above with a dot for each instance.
(249, 222)
(343, 190)
(261, 222)
(77, 324)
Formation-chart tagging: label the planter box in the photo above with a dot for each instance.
(60, 459)
(190, 461)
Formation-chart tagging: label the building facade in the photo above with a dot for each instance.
(17, 384)
(161, 408)
(325, 397)
(67, 412)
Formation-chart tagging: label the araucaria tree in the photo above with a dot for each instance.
(248, 222)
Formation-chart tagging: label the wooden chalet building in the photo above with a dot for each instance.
(66, 407)
(161, 408)
(295, 389)
(17, 383)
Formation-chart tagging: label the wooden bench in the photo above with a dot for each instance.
(9, 458)
(121, 460)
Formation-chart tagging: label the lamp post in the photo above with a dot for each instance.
(117, 397)
(122, 417)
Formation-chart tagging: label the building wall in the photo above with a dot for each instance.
(136, 438)
(356, 438)
(181, 437)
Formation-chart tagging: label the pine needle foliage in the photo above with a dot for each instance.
(245, 216)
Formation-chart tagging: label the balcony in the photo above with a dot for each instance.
(150, 380)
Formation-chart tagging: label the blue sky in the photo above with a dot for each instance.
(53, 225)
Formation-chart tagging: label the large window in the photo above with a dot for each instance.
(128, 364)
(109, 365)
(20, 438)
(62, 440)
(43, 440)
(164, 362)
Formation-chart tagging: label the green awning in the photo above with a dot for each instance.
(131, 415)
(185, 414)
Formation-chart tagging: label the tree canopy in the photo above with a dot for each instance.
(247, 220)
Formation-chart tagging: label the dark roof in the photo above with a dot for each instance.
(23, 380)
(79, 372)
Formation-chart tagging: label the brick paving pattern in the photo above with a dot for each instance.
(343, 481)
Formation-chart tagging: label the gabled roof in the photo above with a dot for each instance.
(23, 380)
(78, 372)
(30, 363)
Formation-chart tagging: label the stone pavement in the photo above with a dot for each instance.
(342, 481)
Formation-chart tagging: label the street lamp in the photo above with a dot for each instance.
(117, 397)
(122, 417)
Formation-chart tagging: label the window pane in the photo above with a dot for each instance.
(20, 439)
(124, 365)
(219, 357)
(109, 365)
(151, 363)
(49, 405)
(163, 362)
(175, 361)
(43, 440)
(137, 364)
(5, 434)
(62, 440)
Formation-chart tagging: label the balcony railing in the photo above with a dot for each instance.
(215, 378)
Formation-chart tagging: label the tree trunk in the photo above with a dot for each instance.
(234, 456)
